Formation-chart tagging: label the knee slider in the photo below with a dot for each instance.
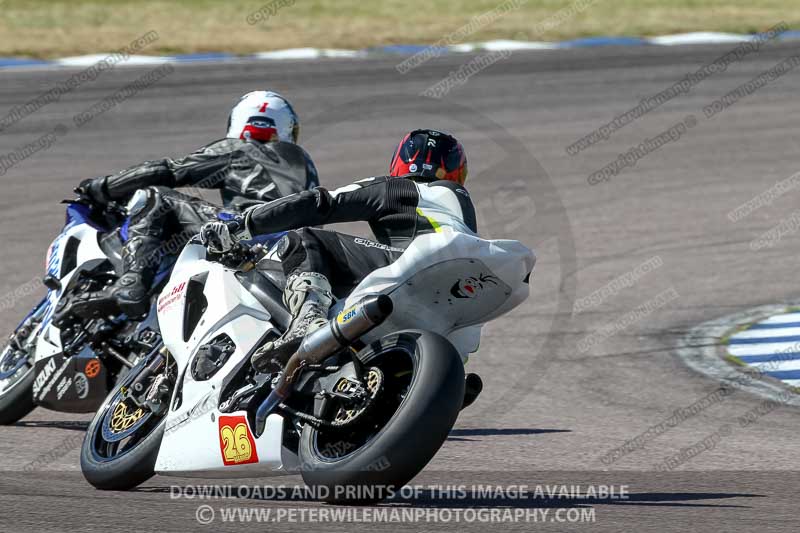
(289, 244)
(291, 251)
(144, 202)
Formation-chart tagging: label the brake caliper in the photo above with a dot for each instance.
(358, 398)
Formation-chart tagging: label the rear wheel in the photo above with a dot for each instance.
(421, 381)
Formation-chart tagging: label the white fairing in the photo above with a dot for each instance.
(447, 282)
(429, 285)
(194, 435)
(49, 340)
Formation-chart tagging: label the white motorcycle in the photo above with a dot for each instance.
(359, 410)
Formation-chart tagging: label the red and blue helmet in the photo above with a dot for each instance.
(429, 155)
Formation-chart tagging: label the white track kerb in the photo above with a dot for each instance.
(756, 350)
(411, 49)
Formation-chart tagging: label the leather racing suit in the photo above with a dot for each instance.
(320, 264)
(162, 220)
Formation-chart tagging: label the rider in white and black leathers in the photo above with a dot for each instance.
(423, 193)
(258, 161)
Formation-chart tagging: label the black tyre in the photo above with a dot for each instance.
(16, 377)
(425, 391)
(17, 401)
(126, 458)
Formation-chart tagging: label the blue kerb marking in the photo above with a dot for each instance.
(407, 49)
(781, 356)
(603, 41)
(21, 62)
(775, 353)
(212, 56)
(784, 374)
(776, 325)
(762, 340)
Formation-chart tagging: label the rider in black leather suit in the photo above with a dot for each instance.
(258, 162)
(423, 193)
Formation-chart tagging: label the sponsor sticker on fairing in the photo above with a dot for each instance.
(236, 443)
(169, 299)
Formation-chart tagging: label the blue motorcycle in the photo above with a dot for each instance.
(71, 364)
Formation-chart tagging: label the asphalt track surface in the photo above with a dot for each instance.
(550, 411)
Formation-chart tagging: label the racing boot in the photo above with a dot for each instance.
(473, 385)
(130, 293)
(308, 298)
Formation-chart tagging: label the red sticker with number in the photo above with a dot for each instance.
(236, 443)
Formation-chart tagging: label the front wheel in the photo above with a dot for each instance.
(16, 371)
(121, 445)
(16, 397)
(421, 381)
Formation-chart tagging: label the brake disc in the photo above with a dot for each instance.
(348, 415)
(122, 418)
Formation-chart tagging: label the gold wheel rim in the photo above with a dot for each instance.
(122, 420)
(343, 416)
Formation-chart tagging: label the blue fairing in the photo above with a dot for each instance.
(164, 269)
(34, 310)
(267, 240)
(123, 231)
(79, 214)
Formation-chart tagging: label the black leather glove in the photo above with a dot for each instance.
(95, 189)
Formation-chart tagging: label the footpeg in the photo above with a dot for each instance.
(348, 326)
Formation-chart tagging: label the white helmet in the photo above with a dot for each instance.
(263, 116)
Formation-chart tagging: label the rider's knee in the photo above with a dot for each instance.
(291, 250)
(148, 203)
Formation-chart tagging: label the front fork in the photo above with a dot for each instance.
(152, 387)
(18, 353)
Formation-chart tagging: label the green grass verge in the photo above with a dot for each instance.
(725, 339)
(53, 28)
(735, 360)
